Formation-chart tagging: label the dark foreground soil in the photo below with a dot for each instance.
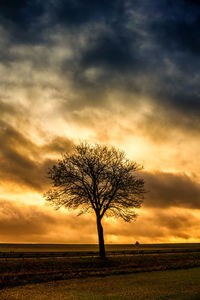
(24, 270)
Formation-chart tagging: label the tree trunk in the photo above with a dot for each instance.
(102, 252)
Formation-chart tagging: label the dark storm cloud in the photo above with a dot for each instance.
(152, 49)
(175, 33)
(68, 12)
(76, 13)
(177, 26)
(36, 16)
(22, 161)
(22, 18)
(171, 190)
(144, 48)
(21, 12)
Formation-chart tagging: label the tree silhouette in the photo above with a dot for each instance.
(96, 178)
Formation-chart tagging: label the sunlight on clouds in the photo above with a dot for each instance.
(92, 74)
(25, 198)
(133, 84)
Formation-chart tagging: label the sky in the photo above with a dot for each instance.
(118, 72)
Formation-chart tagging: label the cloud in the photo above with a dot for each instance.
(23, 162)
(7, 109)
(142, 50)
(58, 145)
(26, 220)
(23, 13)
(70, 13)
(171, 190)
(157, 225)
(120, 72)
(30, 223)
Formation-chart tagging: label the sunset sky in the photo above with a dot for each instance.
(117, 72)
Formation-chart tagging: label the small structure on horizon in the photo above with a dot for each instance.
(137, 244)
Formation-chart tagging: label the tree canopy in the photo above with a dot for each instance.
(97, 178)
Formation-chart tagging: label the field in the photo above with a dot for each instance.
(179, 284)
(93, 247)
(32, 264)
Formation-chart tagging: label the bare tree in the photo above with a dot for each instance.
(97, 178)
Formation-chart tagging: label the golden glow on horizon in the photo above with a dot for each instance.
(122, 131)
